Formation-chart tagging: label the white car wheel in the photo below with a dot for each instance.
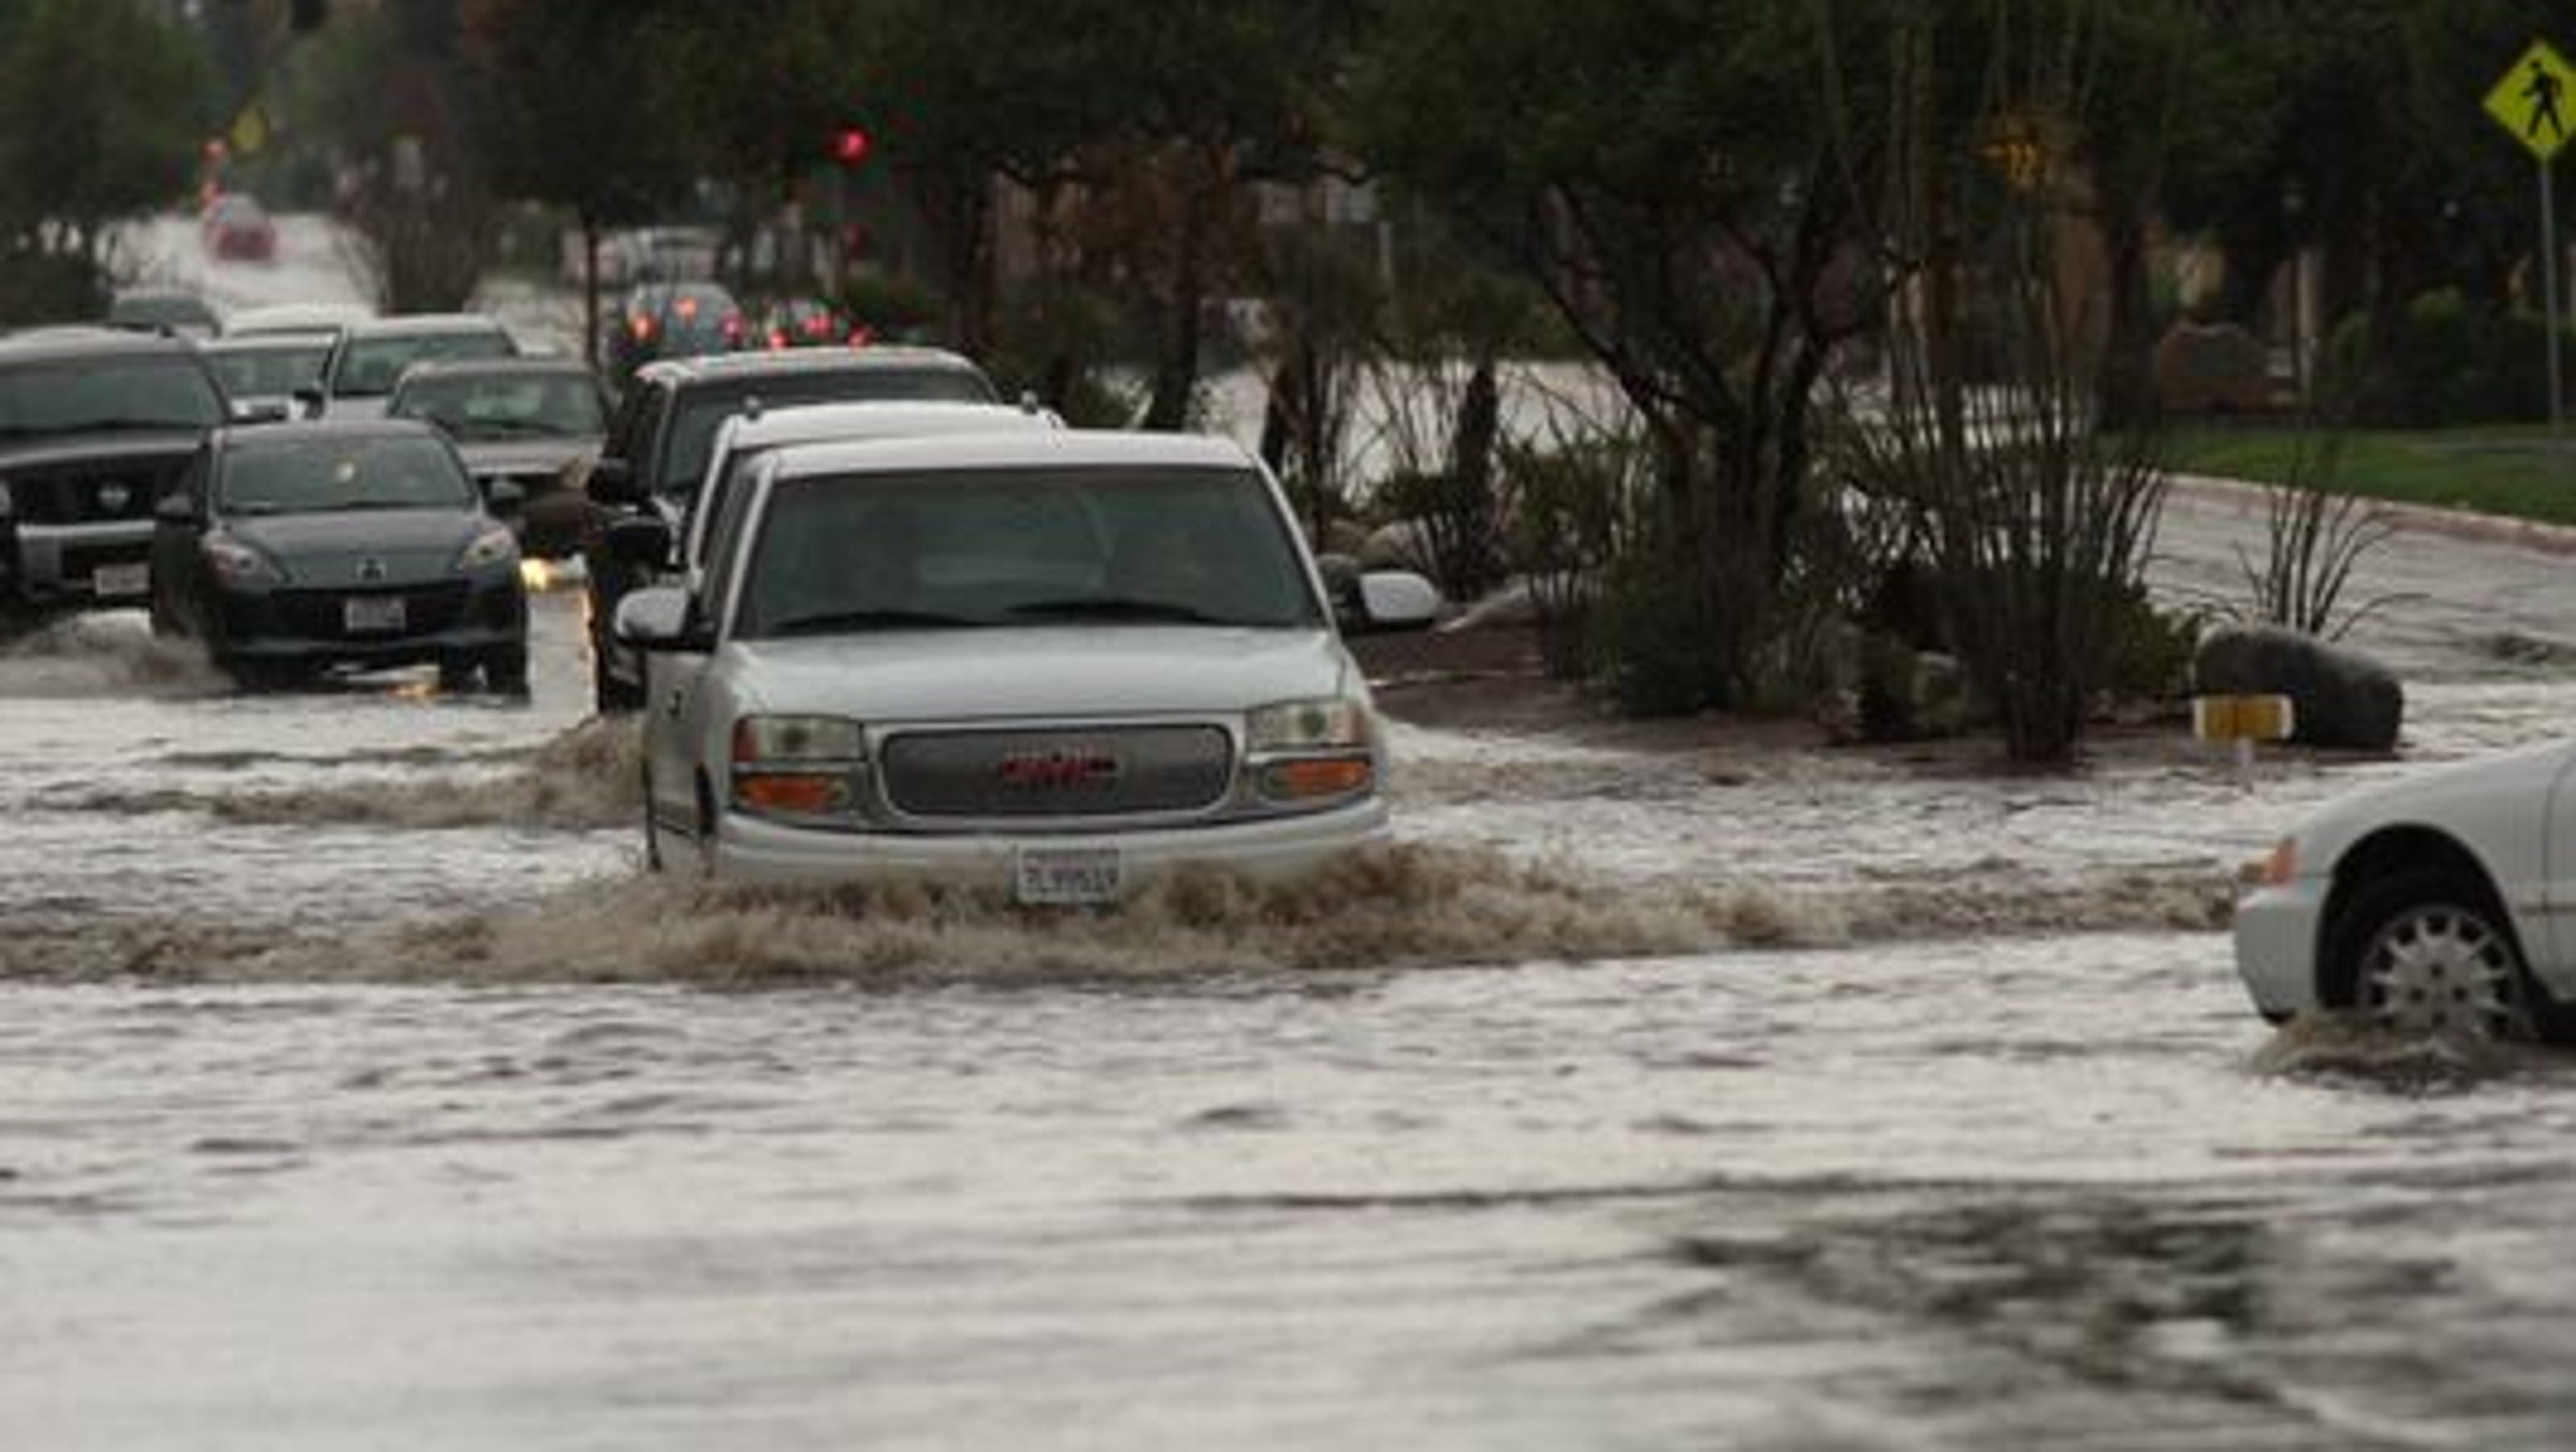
(2434, 960)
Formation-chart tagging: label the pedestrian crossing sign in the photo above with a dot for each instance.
(2535, 100)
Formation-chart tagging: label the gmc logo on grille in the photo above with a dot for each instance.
(1041, 770)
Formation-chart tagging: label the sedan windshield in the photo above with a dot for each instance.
(269, 371)
(505, 406)
(120, 393)
(1100, 546)
(369, 367)
(323, 475)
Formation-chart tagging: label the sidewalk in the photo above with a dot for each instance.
(2247, 497)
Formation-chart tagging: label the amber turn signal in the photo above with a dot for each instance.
(1309, 778)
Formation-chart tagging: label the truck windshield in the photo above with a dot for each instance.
(692, 433)
(1095, 545)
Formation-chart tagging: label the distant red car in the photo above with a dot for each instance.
(237, 229)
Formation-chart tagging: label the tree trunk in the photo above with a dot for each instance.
(1176, 374)
(590, 290)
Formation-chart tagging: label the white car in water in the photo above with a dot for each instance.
(2434, 905)
(1054, 663)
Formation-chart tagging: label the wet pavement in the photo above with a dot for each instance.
(356, 1088)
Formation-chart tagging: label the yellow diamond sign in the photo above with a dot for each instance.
(2535, 100)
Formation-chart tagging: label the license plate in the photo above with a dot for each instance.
(119, 582)
(372, 614)
(1068, 875)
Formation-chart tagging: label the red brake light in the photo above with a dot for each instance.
(686, 307)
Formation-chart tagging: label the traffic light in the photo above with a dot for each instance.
(849, 146)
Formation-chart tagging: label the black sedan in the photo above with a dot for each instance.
(301, 546)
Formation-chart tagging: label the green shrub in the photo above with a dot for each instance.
(1650, 633)
(2448, 361)
(50, 287)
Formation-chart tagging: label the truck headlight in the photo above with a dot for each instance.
(799, 767)
(1331, 723)
(1311, 751)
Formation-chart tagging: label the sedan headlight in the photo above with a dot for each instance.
(1309, 752)
(799, 767)
(494, 546)
(237, 564)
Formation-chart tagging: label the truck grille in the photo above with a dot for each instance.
(1043, 773)
(90, 493)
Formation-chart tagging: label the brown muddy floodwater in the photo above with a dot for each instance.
(356, 1090)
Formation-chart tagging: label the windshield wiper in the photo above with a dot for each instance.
(508, 428)
(1114, 607)
(116, 425)
(836, 621)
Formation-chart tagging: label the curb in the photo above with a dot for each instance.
(2247, 497)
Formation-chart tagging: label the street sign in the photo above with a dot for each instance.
(249, 130)
(2536, 100)
(2243, 718)
(2533, 103)
(2237, 722)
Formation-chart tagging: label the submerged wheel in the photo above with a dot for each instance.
(652, 829)
(2432, 954)
(505, 670)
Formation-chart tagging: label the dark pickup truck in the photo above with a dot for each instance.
(94, 426)
(665, 428)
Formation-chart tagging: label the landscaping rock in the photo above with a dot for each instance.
(2214, 368)
(2341, 697)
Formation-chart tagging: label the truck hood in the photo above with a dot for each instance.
(1052, 671)
(103, 446)
(539, 459)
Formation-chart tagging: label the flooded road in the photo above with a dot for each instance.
(356, 1089)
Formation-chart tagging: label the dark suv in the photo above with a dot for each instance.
(665, 427)
(94, 426)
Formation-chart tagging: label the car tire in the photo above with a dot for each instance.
(2430, 951)
(456, 674)
(707, 829)
(505, 669)
(262, 676)
(614, 697)
(653, 860)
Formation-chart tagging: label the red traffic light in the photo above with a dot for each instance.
(849, 146)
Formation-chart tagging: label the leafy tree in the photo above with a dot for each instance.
(390, 86)
(2355, 126)
(102, 103)
(1668, 172)
(567, 117)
